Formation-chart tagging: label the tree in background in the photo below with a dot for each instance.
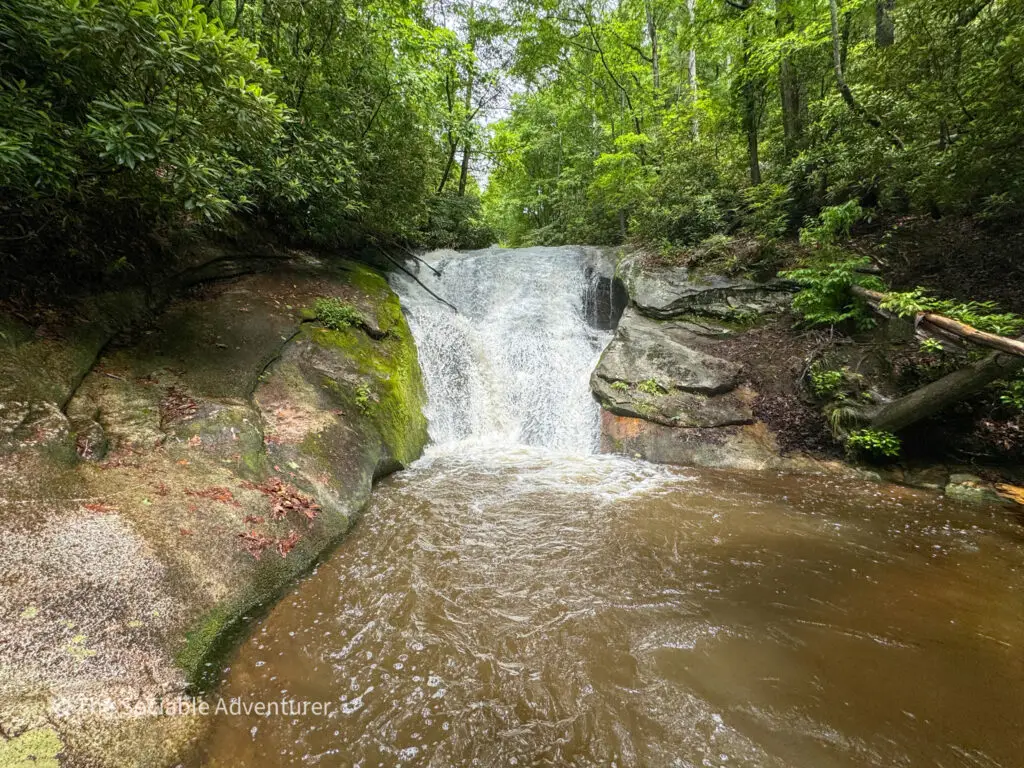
(756, 114)
(125, 120)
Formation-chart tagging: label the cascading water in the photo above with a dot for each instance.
(512, 366)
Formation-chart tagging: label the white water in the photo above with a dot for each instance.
(512, 367)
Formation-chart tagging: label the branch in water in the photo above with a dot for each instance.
(419, 282)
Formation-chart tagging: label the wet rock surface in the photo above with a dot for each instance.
(155, 495)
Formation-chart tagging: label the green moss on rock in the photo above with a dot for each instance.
(390, 370)
(38, 748)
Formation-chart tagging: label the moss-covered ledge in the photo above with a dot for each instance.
(221, 450)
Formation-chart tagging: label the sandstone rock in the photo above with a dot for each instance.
(736, 447)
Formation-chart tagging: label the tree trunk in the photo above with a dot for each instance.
(837, 60)
(941, 325)
(453, 147)
(932, 398)
(789, 85)
(464, 174)
(885, 27)
(844, 88)
(749, 91)
(691, 7)
(652, 33)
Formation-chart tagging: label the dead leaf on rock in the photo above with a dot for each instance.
(287, 498)
(255, 542)
(215, 493)
(100, 508)
(287, 543)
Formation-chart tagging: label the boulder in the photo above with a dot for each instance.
(666, 291)
(749, 447)
(649, 371)
(197, 466)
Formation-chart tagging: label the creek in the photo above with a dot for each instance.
(517, 599)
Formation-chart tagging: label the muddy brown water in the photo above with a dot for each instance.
(521, 608)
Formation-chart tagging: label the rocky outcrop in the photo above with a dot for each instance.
(652, 371)
(666, 291)
(665, 395)
(159, 486)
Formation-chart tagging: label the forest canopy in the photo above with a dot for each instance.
(340, 121)
(670, 121)
(347, 123)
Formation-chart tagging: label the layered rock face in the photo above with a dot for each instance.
(158, 491)
(666, 396)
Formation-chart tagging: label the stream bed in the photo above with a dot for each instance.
(521, 608)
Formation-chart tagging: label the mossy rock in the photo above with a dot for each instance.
(232, 386)
(38, 748)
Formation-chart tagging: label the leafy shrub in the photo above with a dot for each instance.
(832, 225)
(825, 382)
(825, 298)
(1012, 395)
(336, 314)
(768, 209)
(874, 444)
(455, 221)
(150, 106)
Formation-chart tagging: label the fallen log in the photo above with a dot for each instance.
(953, 387)
(940, 325)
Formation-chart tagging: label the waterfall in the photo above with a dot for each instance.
(512, 366)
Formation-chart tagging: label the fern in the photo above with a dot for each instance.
(825, 297)
(983, 315)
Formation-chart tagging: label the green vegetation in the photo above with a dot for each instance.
(669, 122)
(873, 444)
(360, 122)
(825, 382)
(1012, 395)
(651, 387)
(983, 315)
(363, 398)
(336, 121)
(337, 314)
